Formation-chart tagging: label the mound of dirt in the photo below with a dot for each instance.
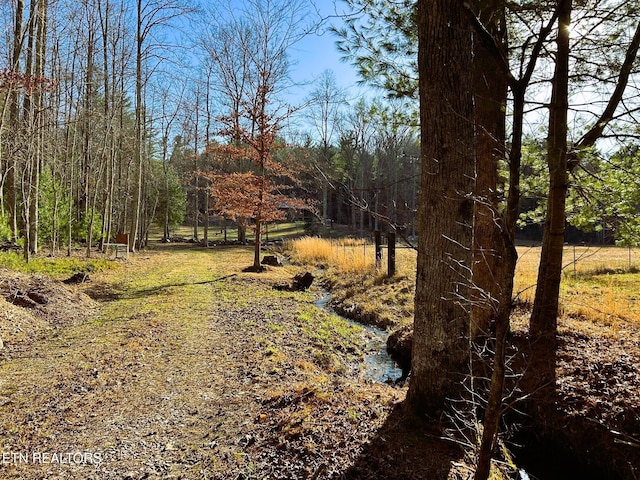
(32, 305)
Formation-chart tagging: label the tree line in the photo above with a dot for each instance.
(481, 71)
(486, 72)
(120, 113)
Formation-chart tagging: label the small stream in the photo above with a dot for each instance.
(378, 364)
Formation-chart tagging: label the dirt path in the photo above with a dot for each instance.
(190, 369)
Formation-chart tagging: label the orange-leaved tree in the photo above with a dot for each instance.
(248, 51)
(262, 189)
(262, 173)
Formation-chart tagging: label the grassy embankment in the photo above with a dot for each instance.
(599, 286)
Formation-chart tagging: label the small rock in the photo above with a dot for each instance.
(271, 260)
(76, 278)
(302, 281)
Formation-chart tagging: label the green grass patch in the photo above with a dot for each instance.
(55, 267)
(274, 231)
(329, 330)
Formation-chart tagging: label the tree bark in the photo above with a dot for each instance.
(440, 354)
(29, 137)
(137, 200)
(541, 371)
(12, 98)
(490, 93)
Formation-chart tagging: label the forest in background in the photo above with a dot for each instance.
(117, 114)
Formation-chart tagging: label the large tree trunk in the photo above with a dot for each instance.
(490, 94)
(440, 354)
(541, 371)
(494, 254)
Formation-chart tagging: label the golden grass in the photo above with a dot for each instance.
(349, 267)
(600, 284)
(344, 255)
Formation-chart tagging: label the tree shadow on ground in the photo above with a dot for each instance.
(405, 448)
(101, 292)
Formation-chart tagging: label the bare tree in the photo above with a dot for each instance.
(325, 103)
(151, 16)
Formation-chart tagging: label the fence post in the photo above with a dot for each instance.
(391, 254)
(378, 241)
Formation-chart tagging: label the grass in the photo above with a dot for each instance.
(186, 347)
(600, 284)
(345, 255)
(275, 231)
(350, 272)
(189, 351)
(58, 267)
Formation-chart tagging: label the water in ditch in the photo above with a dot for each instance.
(378, 365)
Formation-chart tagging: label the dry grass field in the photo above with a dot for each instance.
(600, 284)
(596, 424)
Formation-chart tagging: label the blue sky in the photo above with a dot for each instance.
(317, 52)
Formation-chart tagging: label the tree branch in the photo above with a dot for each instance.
(590, 137)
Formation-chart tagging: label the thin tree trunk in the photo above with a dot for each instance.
(40, 51)
(69, 151)
(135, 208)
(196, 178)
(30, 137)
(505, 273)
(104, 13)
(207, 137)
(12, 167)
(541, 371)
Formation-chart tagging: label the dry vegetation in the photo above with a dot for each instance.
(599, 358)
(178, 365)
(345, 255)
(359, 289)
(600, 284)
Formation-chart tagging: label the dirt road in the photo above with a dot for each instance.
(182, 366)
